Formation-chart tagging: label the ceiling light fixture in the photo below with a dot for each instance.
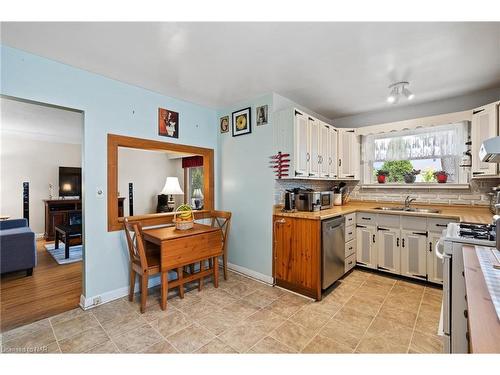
(397, 90)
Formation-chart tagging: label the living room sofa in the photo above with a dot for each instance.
(17, 246)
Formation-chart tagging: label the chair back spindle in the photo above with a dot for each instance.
(133, 232)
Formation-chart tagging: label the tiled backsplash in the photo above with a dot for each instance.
(476, 195)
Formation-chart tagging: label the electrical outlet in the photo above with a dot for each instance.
(97, 301)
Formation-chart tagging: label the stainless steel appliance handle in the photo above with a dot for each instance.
(439, 254)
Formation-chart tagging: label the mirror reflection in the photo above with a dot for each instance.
(156, 181)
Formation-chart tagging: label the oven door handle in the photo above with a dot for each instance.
(439, 254)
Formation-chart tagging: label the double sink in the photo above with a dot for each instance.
(409, 209)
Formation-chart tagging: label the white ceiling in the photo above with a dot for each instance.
(40, 122)
(335, 69)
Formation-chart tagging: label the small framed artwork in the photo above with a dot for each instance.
(168, 123)
(261, 115)
(242, 122)
(224, 124)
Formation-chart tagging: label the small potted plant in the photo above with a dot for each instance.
(441, 176)
(381, 175)
(411, 176)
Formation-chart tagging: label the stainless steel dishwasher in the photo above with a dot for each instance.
(333, 250)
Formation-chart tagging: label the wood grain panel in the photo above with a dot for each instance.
(174, 252)
(297, 255)
(115, 141)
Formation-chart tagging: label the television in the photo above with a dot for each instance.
(70, 182)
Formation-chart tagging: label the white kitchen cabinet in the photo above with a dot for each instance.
(348, 154)
(414, 254)
(301, 155)
(484, 126)
(388, 242)
(324, 150)
(366, 246)
(314, 163)
(332, 152)
(434, 264)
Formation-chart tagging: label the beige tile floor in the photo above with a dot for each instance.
(364, 313)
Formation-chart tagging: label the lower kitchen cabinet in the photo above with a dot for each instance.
(366, 237)
(414, 254)
(434, 264)
(297, 255)
(388, 249)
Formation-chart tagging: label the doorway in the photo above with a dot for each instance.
(41, 210)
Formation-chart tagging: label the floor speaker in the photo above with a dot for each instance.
(26, 201)
(130, 199)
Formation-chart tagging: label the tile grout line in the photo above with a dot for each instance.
(54, 333)
(416, 319)
(319, 330)
(107, 334)
(375, 316)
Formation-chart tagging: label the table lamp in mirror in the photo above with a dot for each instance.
(166, 201)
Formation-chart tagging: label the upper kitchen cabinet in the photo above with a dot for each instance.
(313, 146)
(348, 154)
(484, 125)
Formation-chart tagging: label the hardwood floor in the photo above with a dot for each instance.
(51, 290)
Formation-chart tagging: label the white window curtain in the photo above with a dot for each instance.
(424, 143)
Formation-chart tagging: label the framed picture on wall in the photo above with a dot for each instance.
(224, 124)
(242, 122)
(261, 115)
(168, 123)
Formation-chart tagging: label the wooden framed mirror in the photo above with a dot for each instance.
(200, 195)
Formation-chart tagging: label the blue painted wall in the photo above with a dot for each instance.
(246, 189)
(109, 107)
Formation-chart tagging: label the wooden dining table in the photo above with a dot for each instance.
(180, 248)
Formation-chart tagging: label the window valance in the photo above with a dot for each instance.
(422, 143)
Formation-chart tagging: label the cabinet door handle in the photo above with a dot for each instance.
(430, 247)
(476, 173)
(366, 218)
(373, 238)
(397, 242)
(442, 225)
(329, 161)
(420, 233)
(340, 162)
(360, 226)
(308, 157)
(380, 228)
(402, 242)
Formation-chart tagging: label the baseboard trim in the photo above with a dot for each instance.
(251, 273)
(87, 303)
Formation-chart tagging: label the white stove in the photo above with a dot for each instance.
(471, 234)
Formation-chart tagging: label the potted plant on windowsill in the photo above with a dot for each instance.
(411, 176)
(381, 175)
(441, 176)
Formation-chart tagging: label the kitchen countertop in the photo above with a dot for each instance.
(484, 327)
(458, 212)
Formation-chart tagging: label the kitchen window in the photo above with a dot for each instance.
(193, 181)
(428, 150)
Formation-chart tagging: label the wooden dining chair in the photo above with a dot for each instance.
(144, 261)
(222, 220)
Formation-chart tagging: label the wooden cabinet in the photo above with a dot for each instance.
(332, 152)
(325, 159)
(317, 149)
(366, 244)
(60, 211)
(314, 142)
(301, 155)
(388, 242)
(414, 254)
(484, 126)
(434, 264)
(297, 255)
(348, 154)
